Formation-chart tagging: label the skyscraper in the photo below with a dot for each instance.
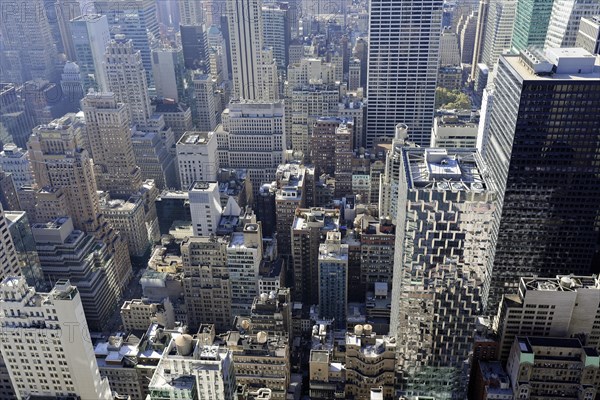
(442, 266)
(531, 23)
(541, 150)
(482, 15)
(333, 279)
(136, 19)
(109, 139)
(249, 62)
(404, 41)
(126, 78)
(62, 168)
(9, 262)
(564, 21)
(252, 136)
(28, 51)
(498, 30)
(64, 362)
(90, 35)
(588, 36)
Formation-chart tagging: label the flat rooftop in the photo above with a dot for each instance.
(444, 169)
(574, 64)
(195, 137)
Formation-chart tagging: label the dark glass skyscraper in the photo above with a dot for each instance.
(543, 152)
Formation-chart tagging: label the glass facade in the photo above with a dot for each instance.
(531, 23)
(543, 154)
(29, 262)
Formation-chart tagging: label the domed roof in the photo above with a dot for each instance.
(71, 67)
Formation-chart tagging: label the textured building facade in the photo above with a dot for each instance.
(442, 266)
(107, 126)
(207, 287)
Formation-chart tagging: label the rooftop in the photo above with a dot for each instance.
(444, 169)
(195, 137)
(556, 64)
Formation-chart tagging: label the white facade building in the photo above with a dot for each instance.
(9, 261)
(565, 19)
(253, 136)
(15, 161)
(205, 207)
(127, 78)
(197, 158)
(244, 255)
(498, 30)
(45, 342)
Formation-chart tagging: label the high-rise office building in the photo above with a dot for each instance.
(59, 161)
(206, 283)
(22, 237)
(71, 84)
(539, 365)
(588, 36)
(136, 19)
(309, 103)
(14, 161)
(194, 368)
(9, 261)
(307, 230)
(249, 62)
(276, 31)
(154, 159)
(67, 253)
(561, 306)
(482, 16)
(333, 279)
(531, 24)
(15, 121)
(565, 19)
(194, 46)
(126, 78)
(498, 30)
(168, 71)
(252, 136)
(28, 51)
(9, 198)
(244, 256)
(197, 158)
(64, 364)
(442, 266)
(62, 168)
(90, 35)
(544, 116)
(404, 41)
(205, 102)
(107, 125)
(205, 207)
